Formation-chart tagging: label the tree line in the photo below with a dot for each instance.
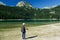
(7, 12)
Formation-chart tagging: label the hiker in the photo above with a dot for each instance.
(23, 30)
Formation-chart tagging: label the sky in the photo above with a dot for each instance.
(35, 3)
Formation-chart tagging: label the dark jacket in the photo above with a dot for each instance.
(23, 29)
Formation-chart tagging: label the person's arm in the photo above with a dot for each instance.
(26, 28)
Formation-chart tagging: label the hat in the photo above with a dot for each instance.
(23, 24)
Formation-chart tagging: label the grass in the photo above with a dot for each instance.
(19, 24)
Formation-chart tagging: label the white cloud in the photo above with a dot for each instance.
(54, 6)
(47, 7)
(1, 3)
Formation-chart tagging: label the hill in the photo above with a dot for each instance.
(1, 3)
(8, 12)
(23, 3)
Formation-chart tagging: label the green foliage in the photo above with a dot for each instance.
(14, 12)
(4, 25)
(57, 12)
(7, 12)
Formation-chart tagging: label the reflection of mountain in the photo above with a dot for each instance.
(1, 3)
(22, 3)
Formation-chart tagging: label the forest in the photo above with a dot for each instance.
(8, 12)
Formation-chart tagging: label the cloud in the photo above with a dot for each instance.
(47, 7)
(1, 3)
(54, 6)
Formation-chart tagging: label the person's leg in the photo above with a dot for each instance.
(23, 35)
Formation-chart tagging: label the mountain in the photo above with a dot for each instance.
(1, 3)
(22, 3)
(9, 12)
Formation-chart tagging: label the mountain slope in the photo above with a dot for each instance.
(23, 3)
(8, 12)
(1, 3)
